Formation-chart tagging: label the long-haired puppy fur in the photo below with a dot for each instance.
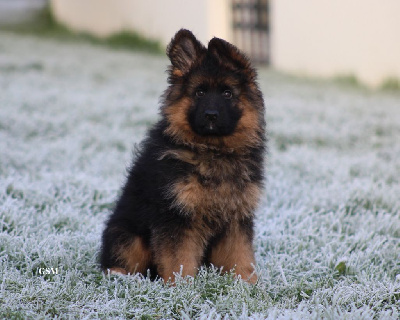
(194, 185)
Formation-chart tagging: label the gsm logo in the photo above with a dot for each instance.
(48, 270)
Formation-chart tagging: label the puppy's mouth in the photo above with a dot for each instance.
(211, 127)
(213, 131)
(211, 123)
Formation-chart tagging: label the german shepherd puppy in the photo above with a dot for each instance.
(194, 185)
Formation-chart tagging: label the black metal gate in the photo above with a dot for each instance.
(251, 28)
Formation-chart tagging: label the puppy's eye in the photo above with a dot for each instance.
(200, 93)
(227, 94)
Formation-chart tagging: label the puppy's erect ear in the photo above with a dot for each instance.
(229, 56)
(183, 51)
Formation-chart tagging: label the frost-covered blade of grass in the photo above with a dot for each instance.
(327, 231)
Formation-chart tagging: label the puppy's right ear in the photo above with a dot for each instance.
(184, 51)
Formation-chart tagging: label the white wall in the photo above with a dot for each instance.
(337, 37)
(14, 12)
(156, 19)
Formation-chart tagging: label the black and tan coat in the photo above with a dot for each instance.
(192, 189)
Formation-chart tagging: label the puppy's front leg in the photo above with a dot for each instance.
(182, 253)
(235, 251)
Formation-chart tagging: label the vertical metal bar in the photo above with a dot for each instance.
(248, 30)
(260, 31)
(253, 20)
(250, 23)
(267, 32)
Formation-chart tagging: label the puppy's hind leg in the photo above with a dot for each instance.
(123, 252)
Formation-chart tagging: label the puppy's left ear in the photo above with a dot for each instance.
(184, 51)
(229, 56)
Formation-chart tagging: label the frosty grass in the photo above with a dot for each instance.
(327, 231)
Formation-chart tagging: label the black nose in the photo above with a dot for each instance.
(211, 115)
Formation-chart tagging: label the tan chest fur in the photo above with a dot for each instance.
(219, 188)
